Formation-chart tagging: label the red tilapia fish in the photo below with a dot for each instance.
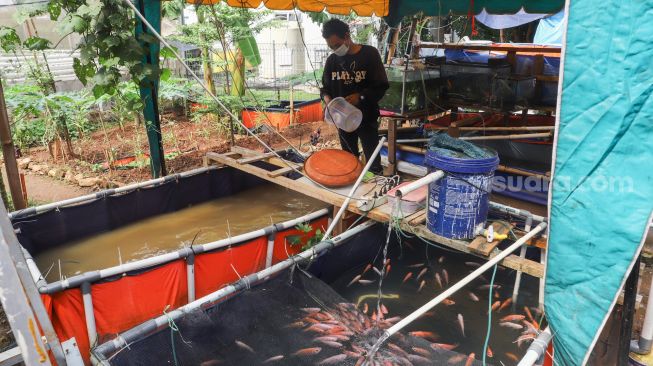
(342, 334)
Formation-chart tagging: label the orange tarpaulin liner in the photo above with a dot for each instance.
(342, 7)
(282, 247)
(66, 310)
(213, 270)
(131, 300)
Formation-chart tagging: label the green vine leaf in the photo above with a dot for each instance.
(9, 39)
(36, 43)
(54, 9)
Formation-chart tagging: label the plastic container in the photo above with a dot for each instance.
(410, 203)
(333, 167)
(507, 92)
(343, 114)
(472, 82)
(458, 203)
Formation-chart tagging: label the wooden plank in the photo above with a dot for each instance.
(378, 214)
(481, 246)
(505, 48)
(254, 159)
(282, 171)
(419, 218)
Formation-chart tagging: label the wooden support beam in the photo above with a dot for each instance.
(413, 224)
(9, 154)
(481, 246)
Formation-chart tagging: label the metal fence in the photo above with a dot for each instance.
(281, 64)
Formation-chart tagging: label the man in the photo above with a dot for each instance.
(355, 72)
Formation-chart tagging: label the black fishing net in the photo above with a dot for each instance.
(445, 145)
(292, 319)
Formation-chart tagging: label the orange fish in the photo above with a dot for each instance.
(424, 334)
(421, 351)
(496, 305)
(473, 296)
(308, 351)
(354, 280)
(333, 360)
(456, 359)
(512, 356)
(444, 346)
(528, 313)
(445, 274)
(512, 318)
(367, 268)
(397, 349)
(387, 269)
(408, 276)
(448, 302)
(365, 308)
(384, 310)
(421, 273)
(438, 280)
(441, 259)
(244, 346)
(421, 286)
(490, 354)
(387, 261)
(505, 304)
(273, 359)
(470, 359)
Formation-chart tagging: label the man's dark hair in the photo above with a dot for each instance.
(334, 26)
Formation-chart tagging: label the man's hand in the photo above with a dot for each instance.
(354, 98)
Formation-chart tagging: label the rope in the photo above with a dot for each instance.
(489, 314)
(174, 328)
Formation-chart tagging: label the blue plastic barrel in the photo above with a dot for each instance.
(458, 203)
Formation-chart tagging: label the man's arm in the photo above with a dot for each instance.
(325, 90)
(378, 80)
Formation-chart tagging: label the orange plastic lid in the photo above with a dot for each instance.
(333, 168)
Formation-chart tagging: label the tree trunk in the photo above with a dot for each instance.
(206, 57)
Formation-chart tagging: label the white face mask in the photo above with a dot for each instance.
(342, 50)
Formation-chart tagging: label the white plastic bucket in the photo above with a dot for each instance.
(343, 114)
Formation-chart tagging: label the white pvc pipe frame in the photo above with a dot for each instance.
(131, 335)
(460, 284)
(345, 204)
(537, 349)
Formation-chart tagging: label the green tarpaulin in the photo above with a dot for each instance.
(401, 8)
(602, 193)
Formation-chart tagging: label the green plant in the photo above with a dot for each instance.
(306, 240)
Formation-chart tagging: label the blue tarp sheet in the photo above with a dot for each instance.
(602, 193)
(551, 29)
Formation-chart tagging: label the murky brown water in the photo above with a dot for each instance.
(237, 214)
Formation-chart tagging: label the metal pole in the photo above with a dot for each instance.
(628, 313)
(12, 262)
(456, 287)
(643, 345)
(345, 204)
(151, 9)
(9, 153)
(274, 70)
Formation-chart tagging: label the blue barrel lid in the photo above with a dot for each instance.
(462, 165)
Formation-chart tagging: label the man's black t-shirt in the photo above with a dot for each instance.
(363, 73)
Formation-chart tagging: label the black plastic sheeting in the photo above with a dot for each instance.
(44, 231)
(272, 324)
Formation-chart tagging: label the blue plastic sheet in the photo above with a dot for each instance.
(551, 29)
(602, 193)
(503, 21)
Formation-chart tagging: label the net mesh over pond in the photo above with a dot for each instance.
(291, 319)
